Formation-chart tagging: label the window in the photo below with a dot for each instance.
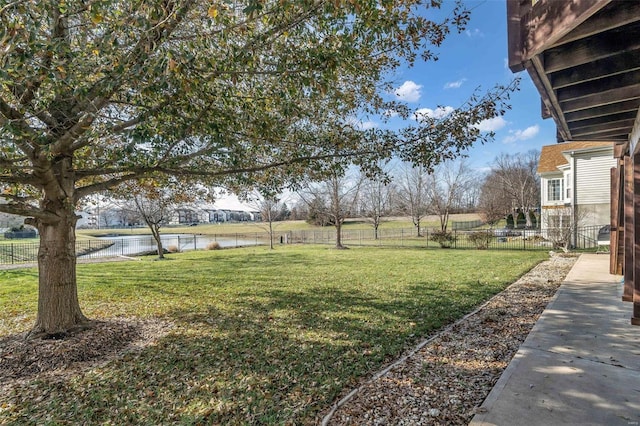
(187, 216)
(559, 221)
(567, 185)
(554, 190)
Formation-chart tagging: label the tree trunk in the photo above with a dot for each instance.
(444, 221)
(58, 307)
(339, 235)
(155, 230)
(270, 234)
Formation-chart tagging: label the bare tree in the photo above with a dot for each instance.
(470, 199)
(413, 197)
(299, 210)
(511, 185)
(271, 209)
(155, 202)
(446, 187)
(334, 200)
(374, 201)
(494, 203)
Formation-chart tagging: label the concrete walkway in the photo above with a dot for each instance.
(580, 365)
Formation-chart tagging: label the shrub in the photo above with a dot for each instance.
(510, 221)
(214, 245)
(480, 239)
(533, 218)
(444, 238)
(173, 249)
(521, 220)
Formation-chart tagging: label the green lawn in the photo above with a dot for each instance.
(261, 337)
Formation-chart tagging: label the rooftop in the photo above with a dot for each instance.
(551, 156)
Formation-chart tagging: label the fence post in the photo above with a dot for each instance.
(455, 238)
(12, 253)
(195, 239)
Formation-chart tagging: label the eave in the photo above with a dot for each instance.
(584, 58)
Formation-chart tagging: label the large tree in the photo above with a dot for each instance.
(97, 93)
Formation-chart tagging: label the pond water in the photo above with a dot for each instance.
(133, 244)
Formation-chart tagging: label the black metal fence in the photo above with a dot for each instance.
(12, 252)
(27, 252)
(583, 238)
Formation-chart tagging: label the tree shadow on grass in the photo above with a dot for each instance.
(266, 356)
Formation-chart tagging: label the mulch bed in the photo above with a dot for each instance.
(22, 360)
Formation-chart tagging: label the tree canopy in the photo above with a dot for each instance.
(234, 93)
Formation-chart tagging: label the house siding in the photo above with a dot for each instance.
(593, 177)
(590, 171)
(594, 214)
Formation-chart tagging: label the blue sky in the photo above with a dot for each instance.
(475, 59)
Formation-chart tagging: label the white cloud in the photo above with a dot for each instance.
(409, 91)
(365, 125)
(437, 113)
(474, 33)
(491, 124)
(362, 125)
(455, 84)
(390, 113)
(522, 135)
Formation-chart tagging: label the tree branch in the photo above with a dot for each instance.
(28, 211)
(13, 115)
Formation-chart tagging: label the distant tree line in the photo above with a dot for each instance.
(509, 190)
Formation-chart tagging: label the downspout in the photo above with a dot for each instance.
(574, 216)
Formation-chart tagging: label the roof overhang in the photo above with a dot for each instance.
(584, 58)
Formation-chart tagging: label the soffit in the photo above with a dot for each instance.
(584, 58)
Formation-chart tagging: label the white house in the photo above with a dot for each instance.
(575, 179)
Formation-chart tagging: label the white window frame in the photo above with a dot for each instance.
(555, 189)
